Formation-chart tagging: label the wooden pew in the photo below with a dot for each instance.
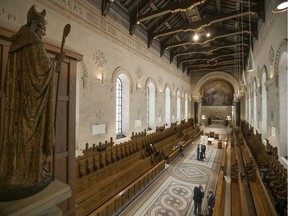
(120, 199)
(261, 200)
(102, 186)
(220, 195)
(102, 175)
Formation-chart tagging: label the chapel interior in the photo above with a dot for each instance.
(162, 72)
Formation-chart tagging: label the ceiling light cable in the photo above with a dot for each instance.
(251, 62)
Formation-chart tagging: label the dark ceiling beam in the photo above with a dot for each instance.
(203, 23)
(106, 4)
(210, 49)
(159, 26)
(214, 63)
(135, 13)
(173, 8)
(196, 72)
(233, 62)
(204, 41)
(212, 58)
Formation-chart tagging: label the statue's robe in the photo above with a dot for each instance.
(28, 134)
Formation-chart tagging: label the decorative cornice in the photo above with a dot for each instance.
(197, 97)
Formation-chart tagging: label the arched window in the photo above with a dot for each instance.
(186, 107)
(122, 112)
(283, 121)
(255, 120)
(247, 109)
(150, 106)
(178, 107)
(119, 91)
(167, 106)
(264, 107)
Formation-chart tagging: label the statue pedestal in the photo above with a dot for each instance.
(42, 203)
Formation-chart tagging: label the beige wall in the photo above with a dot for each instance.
(106, 47)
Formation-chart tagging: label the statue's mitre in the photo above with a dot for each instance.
(35, 17)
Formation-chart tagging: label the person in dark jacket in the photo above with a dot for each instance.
(210, 202)
(203, 150)
(198, 152)
(181, 147)
(198, 197)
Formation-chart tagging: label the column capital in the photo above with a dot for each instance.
(197, 97)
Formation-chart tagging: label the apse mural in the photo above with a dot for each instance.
(217, 93)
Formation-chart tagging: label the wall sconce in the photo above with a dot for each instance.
(160, 90)
(99, 74)
(228, 118)
(138, 84)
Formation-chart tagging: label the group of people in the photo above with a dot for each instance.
(198, 198)
(198, 191)
(201, 150)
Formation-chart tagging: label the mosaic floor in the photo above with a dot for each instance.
(171, 194)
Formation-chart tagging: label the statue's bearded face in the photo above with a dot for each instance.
(41, 30)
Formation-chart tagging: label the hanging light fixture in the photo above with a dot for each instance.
(281, 6)
(137, 15)
(251, 62)
(243, 79)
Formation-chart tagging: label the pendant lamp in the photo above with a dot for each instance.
(243, 80)
(251, 62)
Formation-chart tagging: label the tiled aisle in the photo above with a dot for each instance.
(171, 194)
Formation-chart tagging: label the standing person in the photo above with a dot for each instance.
(198, 152)
(210, 201)
(29, 114)
(203, 150)
(198, 197)
(181, 148)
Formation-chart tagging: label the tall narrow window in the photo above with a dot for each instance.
(151, 106)
(178, 107)
(250, 106)
(283, 120)
(264, 107)
(255, 119)
(119, 89)
(148, 110)
(186, 107)
(167, 106)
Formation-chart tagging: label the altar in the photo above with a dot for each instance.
(217, 121)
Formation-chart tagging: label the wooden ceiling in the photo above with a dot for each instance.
(232, 24)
